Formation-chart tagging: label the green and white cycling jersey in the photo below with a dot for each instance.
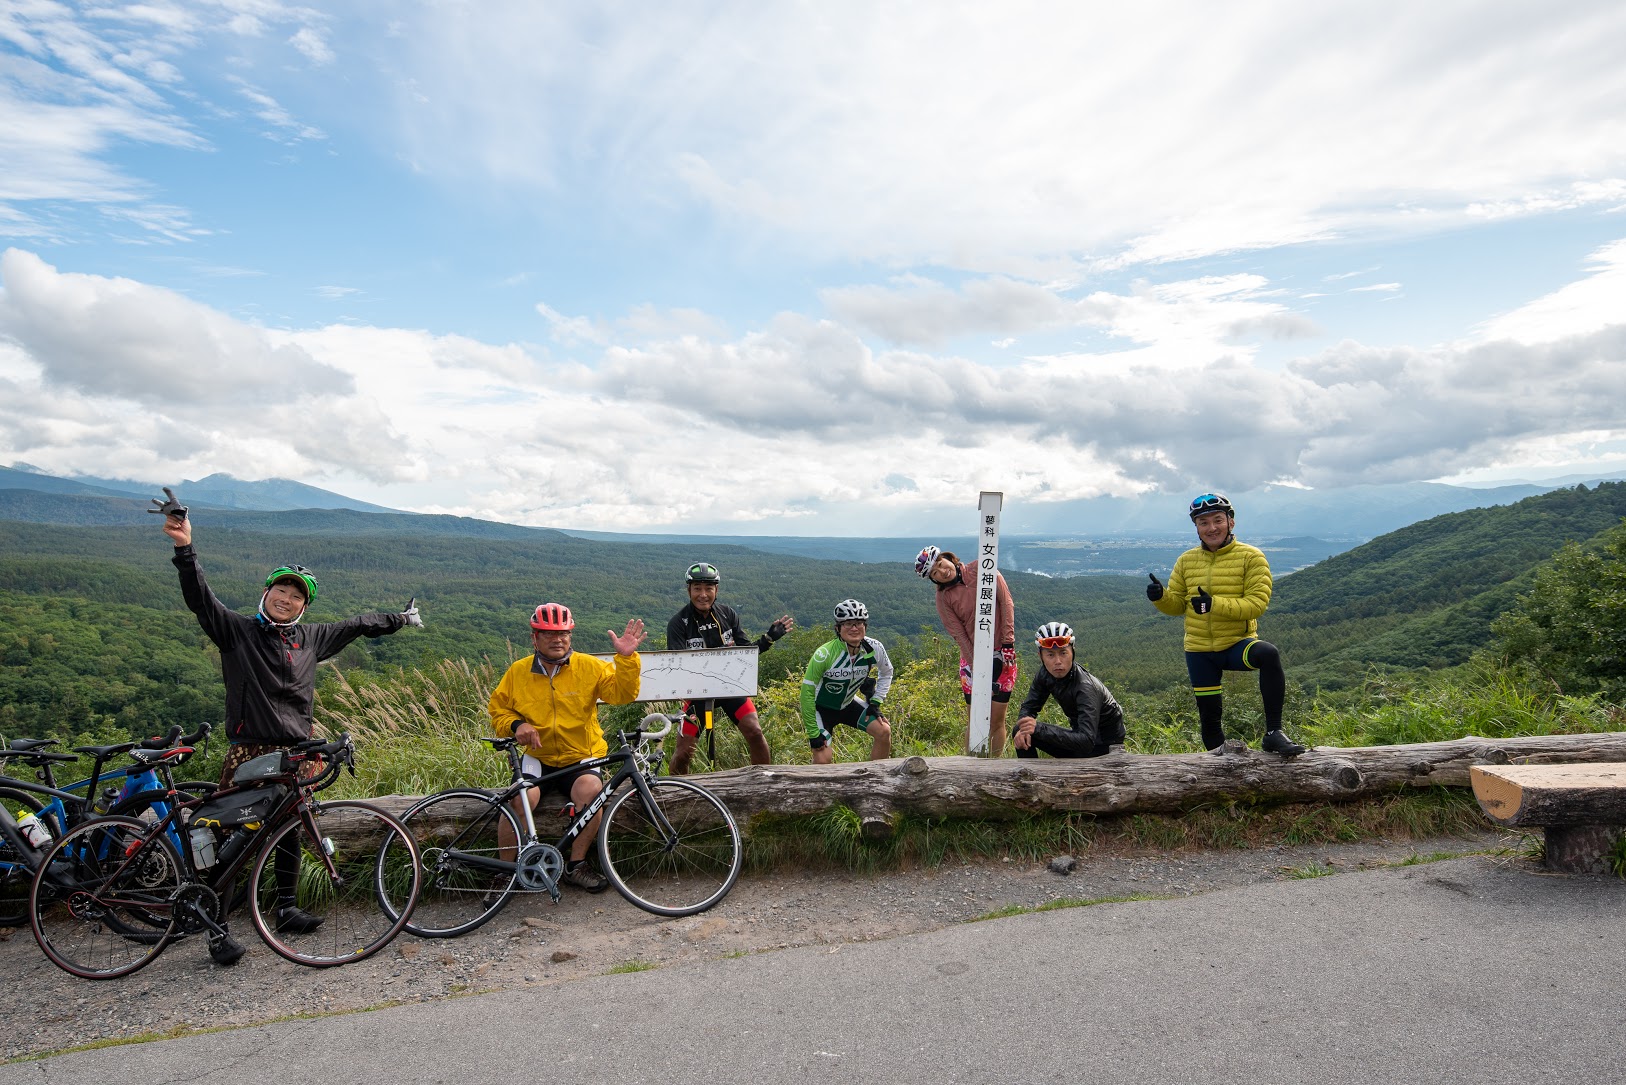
(836, 674)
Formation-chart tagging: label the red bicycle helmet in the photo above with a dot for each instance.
(553, 616)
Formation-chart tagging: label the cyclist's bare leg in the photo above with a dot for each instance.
(880, 735)
(583, 791)
(825, 755)
(682, 753)
(755, 741)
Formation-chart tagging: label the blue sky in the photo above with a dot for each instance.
(814, 269)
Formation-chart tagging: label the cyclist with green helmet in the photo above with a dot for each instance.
(268, 661)
(1222, 587)
(1095, 722)
(706, 623)
(838, 689)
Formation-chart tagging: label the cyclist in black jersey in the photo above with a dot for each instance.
(706, 623)
(1095, 722)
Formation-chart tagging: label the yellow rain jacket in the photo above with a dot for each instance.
(563, 708)
(1237, 576)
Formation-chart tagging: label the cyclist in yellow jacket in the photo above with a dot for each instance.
(1222, 587)
(549, 703)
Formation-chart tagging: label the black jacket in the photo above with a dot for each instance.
(270, 673)
(1096, 719)
(719, 629)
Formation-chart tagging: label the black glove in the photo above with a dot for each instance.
(873, 709)
(1154, 590)
(776, 630)
(1202, 602)
(170, 507)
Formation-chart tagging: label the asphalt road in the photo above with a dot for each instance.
(1471, 970)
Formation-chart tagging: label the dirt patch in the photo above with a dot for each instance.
(534, 942)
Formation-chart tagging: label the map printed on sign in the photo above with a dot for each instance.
(696, 675)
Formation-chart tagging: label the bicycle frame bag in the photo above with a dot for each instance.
(241, 808)
(267, 766)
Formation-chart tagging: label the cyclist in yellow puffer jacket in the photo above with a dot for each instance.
(1222, 587)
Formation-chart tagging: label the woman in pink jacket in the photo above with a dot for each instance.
(957, 606)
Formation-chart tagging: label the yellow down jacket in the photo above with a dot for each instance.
(564, 708)
(1237, 576)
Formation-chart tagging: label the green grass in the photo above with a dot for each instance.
(636, 964)
(1309, 870)
(417, 731)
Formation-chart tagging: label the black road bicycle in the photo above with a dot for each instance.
(667, 844)
(113, 892)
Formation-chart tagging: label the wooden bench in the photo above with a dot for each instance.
(1581, 808)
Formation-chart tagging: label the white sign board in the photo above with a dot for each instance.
(982, 641)
(700, 674)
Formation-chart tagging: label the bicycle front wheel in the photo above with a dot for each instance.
(102, 902)
(676, 859)
(460, 835)
(315, 900)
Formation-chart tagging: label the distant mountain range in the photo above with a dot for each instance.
(216, 491)
(1095, 536)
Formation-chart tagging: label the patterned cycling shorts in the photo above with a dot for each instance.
(1002, 685)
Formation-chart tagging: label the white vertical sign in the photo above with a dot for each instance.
(982, 656)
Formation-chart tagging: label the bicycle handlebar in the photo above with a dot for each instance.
(655, 736)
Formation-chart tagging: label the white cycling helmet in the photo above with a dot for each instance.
(1054, 635)
(925, 560)
(851, 610)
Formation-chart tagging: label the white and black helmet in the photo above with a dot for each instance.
(851, 610)
(1054, 635)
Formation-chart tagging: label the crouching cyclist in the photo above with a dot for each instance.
(1095, 720)
(838, 688)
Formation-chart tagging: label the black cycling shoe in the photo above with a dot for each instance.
(295, 920)
(225, 950)
(1279, 743)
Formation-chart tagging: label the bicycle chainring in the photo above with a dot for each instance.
(539, 867)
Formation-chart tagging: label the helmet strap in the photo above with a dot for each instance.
(268, 620)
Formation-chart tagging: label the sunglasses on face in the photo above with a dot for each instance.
(1054, 642)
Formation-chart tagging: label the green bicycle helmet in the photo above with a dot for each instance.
(306, 578)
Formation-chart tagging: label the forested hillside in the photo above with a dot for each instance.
(93, 633)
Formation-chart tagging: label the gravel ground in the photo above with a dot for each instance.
(535, 942)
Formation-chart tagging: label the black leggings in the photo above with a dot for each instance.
(1207, 672)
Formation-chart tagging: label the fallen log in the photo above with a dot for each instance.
(1123, 783)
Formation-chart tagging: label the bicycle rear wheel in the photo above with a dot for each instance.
(352, 922)
(455, 831)
(16, 875)
(101, 903)
(677, 871)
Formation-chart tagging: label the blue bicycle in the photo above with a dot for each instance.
(45, 811)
